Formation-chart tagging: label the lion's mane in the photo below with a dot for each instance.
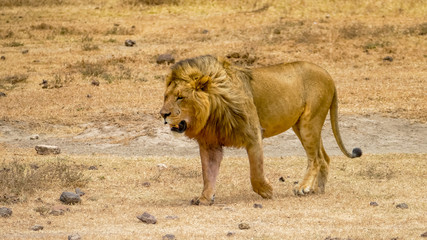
(222, 95)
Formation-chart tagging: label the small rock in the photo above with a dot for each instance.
(388, 58)
(34, 137)
(95, 82)
(205, 31)
(296, 182)
(424, 234)
(374, 204)
(34, 166)
(276, 31)
(58, 210)
(257, 205)
(93, 168)
(165, 58)
(161, 166)
(2, 94)
(129, 43)
(402, 206)
(74, 236)
(146, 184)
(244, 226)
(47, 149)
(229, 234)
(5, 212)
(168, 237)
(3, 58)
(37, 227)
(69, 198)
(282, 179)
(25, 51)
(172, 217)
(44, 83)
(89, 96)
(79, 192)
(147, 218)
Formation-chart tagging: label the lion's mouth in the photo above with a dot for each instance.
(180, 128)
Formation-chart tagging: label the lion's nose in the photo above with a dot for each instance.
(165, 114)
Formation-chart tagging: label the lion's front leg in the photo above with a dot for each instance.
(260, 184)
(211, 157)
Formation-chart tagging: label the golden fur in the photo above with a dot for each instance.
(219, 104)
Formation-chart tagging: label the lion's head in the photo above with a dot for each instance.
(203, 99)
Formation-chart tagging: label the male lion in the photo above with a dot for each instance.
(219, 104)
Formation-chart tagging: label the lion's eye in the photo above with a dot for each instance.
(179, 98)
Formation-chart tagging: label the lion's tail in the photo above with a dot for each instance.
(357, 152)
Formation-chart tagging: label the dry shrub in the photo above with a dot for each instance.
(152, 2)
(419, 29)
(19, 180)
(32, 3)
(110, 69)
(10, 81)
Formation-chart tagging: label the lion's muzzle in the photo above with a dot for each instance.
(181, 127)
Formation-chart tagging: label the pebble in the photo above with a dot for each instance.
(244, 226)
(374, 204)
(168, 237)
(402, 206)
(282, 179)
(257, 205)
(34, 137)
(95, 82)
(74, 236)
(37, 227)
(2, 94)
(146, 184)
(172, 217)
(147, 218)
(47, 149)
(5, 212)
(3, 58)
(129, 43)
(424, 234)
(70, 198)
(25, 51)
(93, 168)
(229, 234)
(388, 58)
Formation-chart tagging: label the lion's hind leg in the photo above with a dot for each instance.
(309, 133)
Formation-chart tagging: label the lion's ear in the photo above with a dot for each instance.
(202, 83)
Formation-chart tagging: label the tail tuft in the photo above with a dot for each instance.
(357, 152)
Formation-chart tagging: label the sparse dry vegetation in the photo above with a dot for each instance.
(52, 51)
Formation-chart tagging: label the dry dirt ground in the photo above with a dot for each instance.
(113, 140)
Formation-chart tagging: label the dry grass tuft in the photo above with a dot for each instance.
(20, 180)
(10, 81)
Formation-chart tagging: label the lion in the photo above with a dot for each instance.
(221, 105)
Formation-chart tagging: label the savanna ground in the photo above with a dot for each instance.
(116, 128)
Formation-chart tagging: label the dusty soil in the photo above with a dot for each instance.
(374, 134)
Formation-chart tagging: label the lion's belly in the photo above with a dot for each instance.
(279, 98)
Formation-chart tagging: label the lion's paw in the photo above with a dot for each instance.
(301, 190)
(202, 201)
(265, 190)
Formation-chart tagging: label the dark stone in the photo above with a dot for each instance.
(95, 82)
(79, 192)
(282, 179)
(172, 217)
(229, 234)
(5, 212)
(276, 31)
(47, 149)
(2, 94)
(257, 205)
(37, 227)
(402, 206)
(165, 58)
(3, 58)
(70, 198)
(146, 184)
(168, 237)
(25, 51)
(147, 218)
(424, 234)
(44, 84)
(205, 31)
(244, 226)
(93, 168)
(388, 58)
(34, 137)
(374, 204)
(129, 43)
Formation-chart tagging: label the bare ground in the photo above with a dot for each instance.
(374, 134)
